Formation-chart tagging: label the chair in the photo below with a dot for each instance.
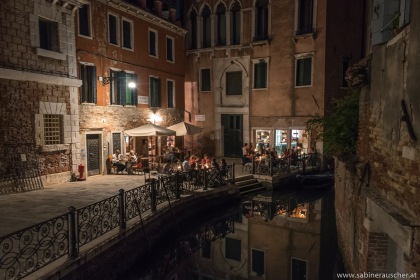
(137, 169)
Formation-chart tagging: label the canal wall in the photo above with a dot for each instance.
(377, 192)
(109, 256)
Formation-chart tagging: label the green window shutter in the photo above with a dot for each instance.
(93, 84)
(122, 87)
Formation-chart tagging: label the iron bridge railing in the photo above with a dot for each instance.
(30, 249)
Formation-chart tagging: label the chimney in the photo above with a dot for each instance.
(142, 4)
(158, 7)
(172, 15)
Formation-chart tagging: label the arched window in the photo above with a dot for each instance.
(206, 27)
(193, 21)
(235, 24)
(221, 25)
(261, 20)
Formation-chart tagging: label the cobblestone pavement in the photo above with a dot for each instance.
(21, 210)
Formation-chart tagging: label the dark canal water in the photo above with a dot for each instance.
(288, 235)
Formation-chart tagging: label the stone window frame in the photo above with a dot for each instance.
(228, 74)
(156, 45)
(170, 58)
(254, 273)
(131, 35)
(53, 13)
(90, 36)
(173, 92)
(255, 33)
(255, 62)
(299, 259)
(52, 108)
(117, 29)
(303, 33)
(301, 57)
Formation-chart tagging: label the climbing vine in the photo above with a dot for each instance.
(339, 128)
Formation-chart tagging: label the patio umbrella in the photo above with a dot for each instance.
(184, 128)
(149, 130)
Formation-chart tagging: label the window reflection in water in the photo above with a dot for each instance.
(284, 230)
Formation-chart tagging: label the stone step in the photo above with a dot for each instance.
(253, 190)
(246, 182)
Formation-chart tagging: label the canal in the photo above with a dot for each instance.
(288, 234)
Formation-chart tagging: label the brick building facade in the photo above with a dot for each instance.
(39, 122)
(258, 70)
(119, 42)
(377, 199)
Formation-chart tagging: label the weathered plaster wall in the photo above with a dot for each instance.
(377, 194)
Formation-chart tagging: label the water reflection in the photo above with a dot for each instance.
(275, 236)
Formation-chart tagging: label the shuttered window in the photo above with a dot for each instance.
(260, 75)
(88, 88)
(155, 95)
(233, 249)
(304, 71)
(234, 83)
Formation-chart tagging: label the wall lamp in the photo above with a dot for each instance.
(106, 80)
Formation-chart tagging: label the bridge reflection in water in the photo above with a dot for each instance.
(276, 235)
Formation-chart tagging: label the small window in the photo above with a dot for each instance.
(155, 95)
(48, 35)
(113, 29)
(171, 95)
(53, 129)
(304, 71)
(299, 268)
(152, 43)
(127, 30)
(304, 21)
(258, 262)
(205, 80)
(260, 74)
(169, 49)
(233, 249)
(234, 83)
(84, 20)
(88, 88)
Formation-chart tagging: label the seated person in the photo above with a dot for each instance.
(186, 167)
(171, 155)
(116, 158)
(206, 162)
(193, 162)
(167, 168)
